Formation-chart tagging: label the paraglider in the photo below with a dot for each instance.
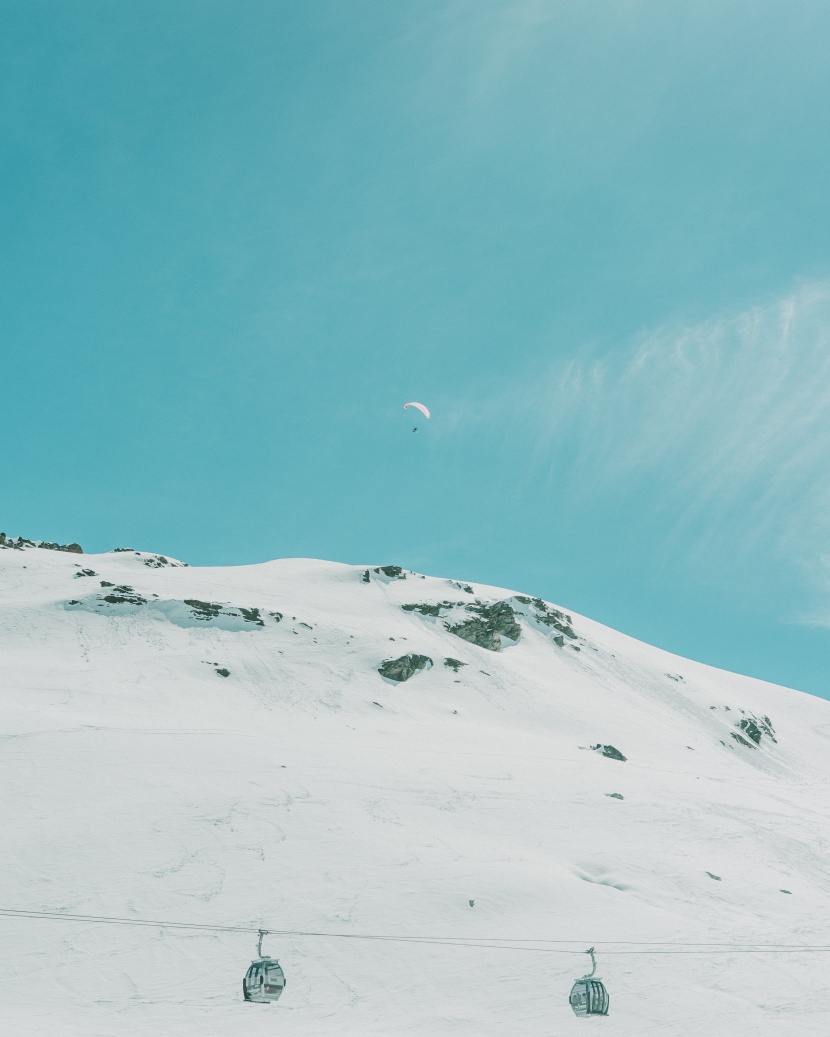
(420, 407)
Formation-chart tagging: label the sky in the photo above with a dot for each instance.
(594, 238)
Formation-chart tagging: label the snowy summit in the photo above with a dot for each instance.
(485, 781)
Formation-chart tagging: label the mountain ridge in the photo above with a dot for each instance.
(220, 743)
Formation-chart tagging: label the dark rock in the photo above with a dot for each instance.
(717, 878)
(491, 623)
(755, 727)
(549, 616)
(106, 583)
(434, 608)
(391, 572)
(159, 562)
(478, 632)
(403, 668)
(251, 616)
(85, 572)
(609, 751)
(487, 627)
(614, 795)
(204, 610)
(223, 672)
(742, 740)
(426, 610)
(394, 572)
(119, 550)
(454, 664)
(124, 596)
(73, 602)
(21, 542)
(786, 891)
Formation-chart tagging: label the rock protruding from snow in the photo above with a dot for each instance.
(454, 664)
(610, 751)
(756, 727)
(162, 562)
(384, 573)
(21, 543)
(481, 623)
(192, 612)
(548, 617)
(489, 624)
(486, 623)
(403, 668)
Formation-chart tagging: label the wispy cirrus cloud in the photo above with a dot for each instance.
(714, 440)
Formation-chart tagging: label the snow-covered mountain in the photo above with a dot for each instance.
(325, 748)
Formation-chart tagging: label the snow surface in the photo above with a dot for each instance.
(306, 792)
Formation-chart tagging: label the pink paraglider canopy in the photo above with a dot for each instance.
(420, 407)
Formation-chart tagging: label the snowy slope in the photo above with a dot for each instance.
(304, 791)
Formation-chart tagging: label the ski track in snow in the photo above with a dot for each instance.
(305, 792)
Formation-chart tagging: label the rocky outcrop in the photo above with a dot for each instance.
(124, 600)
(486, 623)
(454, 664)
(385, 573)
(22, 542)
(753, 730)
(489, 624)
(432, 608)
(756, 727)
(403, 668)
(609, 751)
(123, 596)
(160, 562)
(549, 617)
(207, 610)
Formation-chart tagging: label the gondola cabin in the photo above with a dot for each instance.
(588, 994)
(589, 997)
(264, 981)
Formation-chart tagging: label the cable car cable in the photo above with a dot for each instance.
(629, 947)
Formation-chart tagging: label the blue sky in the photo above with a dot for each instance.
(593, 238)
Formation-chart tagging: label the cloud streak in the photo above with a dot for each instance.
(716, 436)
